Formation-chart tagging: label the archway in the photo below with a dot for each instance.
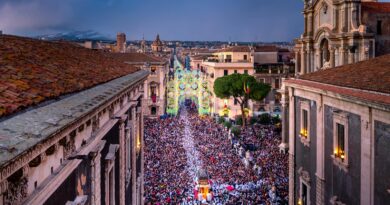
(187, 85)
(325, 53)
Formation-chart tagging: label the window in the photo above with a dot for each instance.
(228, 59)
(304, 194)
(379, 27)
(340, 139)
(235, 71)
(262, 80)
(245, 71)
(153, 111)
(280, 58)
(339, 151)
(277, 83)
(245, 57)
(225, 72)
(153, 70)
(235, 102)
(305, 123)
(304, 191)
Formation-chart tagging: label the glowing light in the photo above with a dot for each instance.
(138, 142)
(303, 132)
(299, 201)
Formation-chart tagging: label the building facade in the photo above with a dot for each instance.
(82, 148)
(224, 62)
(154, 102)
(271, 64)
(341, 32)
(157, 45)
(337, 131)
(121, 43)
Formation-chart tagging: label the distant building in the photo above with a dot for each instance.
(342, 32)
(154, 101)
(143, 47)
(338, 134)
(157, 45)
(121, 42)
(271, 65)
(236, 59)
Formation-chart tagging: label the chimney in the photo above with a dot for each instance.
(1, 32)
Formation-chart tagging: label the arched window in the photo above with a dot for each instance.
(325, 54)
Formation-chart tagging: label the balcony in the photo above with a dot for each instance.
(239, 64)
(153, 100)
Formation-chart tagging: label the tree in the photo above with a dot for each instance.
(241, 87)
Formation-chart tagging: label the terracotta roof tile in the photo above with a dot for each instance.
(136, 57)
(376, 7)
(33, 71)
(266, 49)
(235, 49)
(371, 75)
(359, 94)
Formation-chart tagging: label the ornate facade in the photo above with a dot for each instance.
(339, 32)
(337, 131)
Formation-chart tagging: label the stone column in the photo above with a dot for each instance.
(320, 191)
(350, 57)
(342, 56)
(303, 61)
(96, 174)
(122, 163)
(317, 59)
(142, 154)
(332, 57)
(296, 63)
(134, 157)
(320, 161)
(285, 109)
(291, 150)
(366, 156)
(3, 190)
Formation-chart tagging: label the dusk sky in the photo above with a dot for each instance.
(235, 20)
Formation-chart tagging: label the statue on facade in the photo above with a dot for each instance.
(326, 65)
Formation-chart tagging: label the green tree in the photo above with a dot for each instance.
(242, 87)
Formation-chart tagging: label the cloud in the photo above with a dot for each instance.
(34, 15)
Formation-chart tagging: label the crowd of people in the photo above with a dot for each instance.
(176, 148)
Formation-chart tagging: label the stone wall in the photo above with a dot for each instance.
(381, 163)
(338, 182)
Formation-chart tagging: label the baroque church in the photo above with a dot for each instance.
(339, 32)
(335, 112)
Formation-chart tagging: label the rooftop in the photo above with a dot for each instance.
(266, 49)
(376, 7)
(370, 75)
(34, 71)
(235, 49)
(137, 58)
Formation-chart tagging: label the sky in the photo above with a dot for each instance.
(225, 20)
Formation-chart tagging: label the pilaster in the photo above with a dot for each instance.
(320, 191)
(291, 179)
(285, 109)
(332, 57)
(122, 163)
